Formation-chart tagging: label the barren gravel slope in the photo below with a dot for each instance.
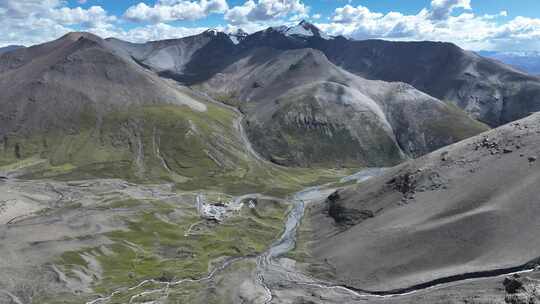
(469, 207)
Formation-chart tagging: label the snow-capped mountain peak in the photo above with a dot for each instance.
(238, 36)
(212, 32)
(305, 29)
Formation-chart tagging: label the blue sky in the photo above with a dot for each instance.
(472, 24)
(527, 8)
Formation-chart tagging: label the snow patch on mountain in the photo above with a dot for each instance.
(299, 30)
(303, 29)
(238, 36)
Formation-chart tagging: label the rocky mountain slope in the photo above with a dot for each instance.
(485, 89)
(464, 211)
(303, 110)
(80, 107)
(488, 90)
(76, 103)
(47, 85)
(323, 116)
(77, 108)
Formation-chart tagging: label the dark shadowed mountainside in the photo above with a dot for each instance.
(188, 60)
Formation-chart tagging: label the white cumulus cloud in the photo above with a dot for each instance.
(35, 21)
(172, 10)
(157, 31)
(93, 16)
(349, 13)
(441, 21)
(265, 10)
(441, 9)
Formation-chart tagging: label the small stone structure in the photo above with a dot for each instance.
(219, 211)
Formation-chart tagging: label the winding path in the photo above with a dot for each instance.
(13, 297)
(238, 125)
(166, 285)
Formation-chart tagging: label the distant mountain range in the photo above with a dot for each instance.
(527, 61)
(10, 48)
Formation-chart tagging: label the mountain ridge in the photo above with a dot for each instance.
(487, 90)
(482, 87)
(203, 59)
(303, 82)
(301, 92)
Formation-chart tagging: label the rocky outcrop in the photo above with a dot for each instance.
(345, 217)
(521, 290)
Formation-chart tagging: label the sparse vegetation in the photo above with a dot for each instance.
(454, 125)
(151, 248)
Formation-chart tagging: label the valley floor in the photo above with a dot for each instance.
(111, 241)
(67, 242)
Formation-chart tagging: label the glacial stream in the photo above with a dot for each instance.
(287, 241)
(268, 265)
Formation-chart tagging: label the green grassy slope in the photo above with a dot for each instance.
(162, 143)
